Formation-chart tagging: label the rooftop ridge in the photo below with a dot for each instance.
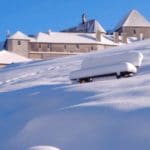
(133, 19)
(90, 26)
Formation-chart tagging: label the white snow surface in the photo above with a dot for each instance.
(134, 58)
(7, 57)
(103, 70)
(44, 148)
(40, 106)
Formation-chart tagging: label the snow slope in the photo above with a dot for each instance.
(40, 106)
(43, 148)
(7, 57)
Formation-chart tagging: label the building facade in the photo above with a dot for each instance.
(134, 25)
(86, 37)
(56, 44)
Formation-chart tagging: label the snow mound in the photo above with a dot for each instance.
(43, 148)
(40, 105)
(118, 65)
(112, 70)
(7, 57)
(133, 57)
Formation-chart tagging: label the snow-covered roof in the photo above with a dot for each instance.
(7, 57)
(91, 26)
(98, 26)
(19, 35)
(133, 19)
(64, 37)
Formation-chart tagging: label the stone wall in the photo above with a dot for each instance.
(61, 47)
(18, 46)
(41, 55)
(136, 31)
(50, 50)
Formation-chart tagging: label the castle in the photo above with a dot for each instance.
(87, 36)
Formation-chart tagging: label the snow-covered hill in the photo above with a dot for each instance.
(40, 106)
(7, 57)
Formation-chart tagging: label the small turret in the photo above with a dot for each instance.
(84, 18)
(49, 32)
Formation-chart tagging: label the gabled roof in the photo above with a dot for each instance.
(133, 19)
(97, 26)
(91, 26)
(19, 35)
(64, 37)
(74, 38)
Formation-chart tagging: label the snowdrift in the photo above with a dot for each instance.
(132, 57)
(120, 65)
(43, 148)
(97, 72)
(40, 105)
(7, 57)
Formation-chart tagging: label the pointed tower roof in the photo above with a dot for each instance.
(133, 19)
(91, 26)
(19, 35)
(97, 26)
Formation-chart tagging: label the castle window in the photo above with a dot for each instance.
(65, 46)
(19, 42)
(40, 46)
(134, 31)
(49, 46)
(92, 48)
(32, 46)
(77, 46)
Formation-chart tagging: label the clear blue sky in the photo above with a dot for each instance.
(32, 16)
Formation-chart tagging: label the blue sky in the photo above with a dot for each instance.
(32, 16)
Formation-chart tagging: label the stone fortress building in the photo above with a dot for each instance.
(87, 36)
(134, 25)
(56, 44)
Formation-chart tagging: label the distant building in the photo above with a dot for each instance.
(56, 44)
(88, 36)
(134, 25)
(86, 26)
(91, 26)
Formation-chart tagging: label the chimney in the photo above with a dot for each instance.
(98, 36)
(116, 37)
(141, 36)
(49, 32)
(124, 37)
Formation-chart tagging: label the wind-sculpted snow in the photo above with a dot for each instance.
(40, 106)
(44, 148)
